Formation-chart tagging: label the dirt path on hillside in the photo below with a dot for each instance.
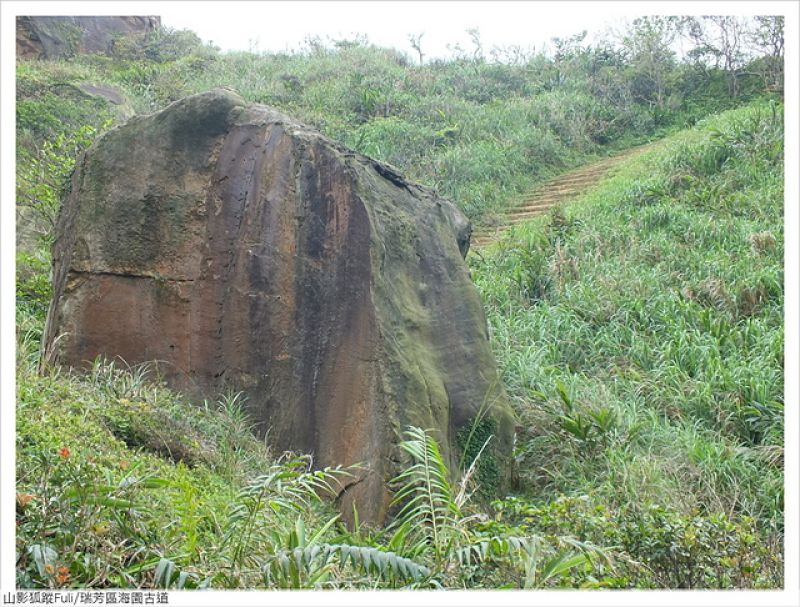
(556, 192)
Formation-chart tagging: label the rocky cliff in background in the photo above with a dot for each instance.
(40, 37)
(246, 251)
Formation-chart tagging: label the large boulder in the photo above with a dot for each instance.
(246, 251)
(44, 37)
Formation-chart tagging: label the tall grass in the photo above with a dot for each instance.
(481, 132)
(640, 330)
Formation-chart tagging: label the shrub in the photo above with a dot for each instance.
(658, 547)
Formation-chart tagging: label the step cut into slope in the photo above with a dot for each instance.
(553, 193)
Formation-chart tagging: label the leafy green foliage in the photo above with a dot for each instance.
(657, 547)
(287, 486)
(33, 281)
(473, 441)
(43, 179)
(434, 525)
(303, 562)
(427, 497)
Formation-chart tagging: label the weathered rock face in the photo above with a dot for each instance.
(247, 251)
(54, 37)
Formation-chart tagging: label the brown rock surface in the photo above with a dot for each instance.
(247, 251)
(50, 37)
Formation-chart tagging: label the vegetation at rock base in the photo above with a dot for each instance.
(639, 331)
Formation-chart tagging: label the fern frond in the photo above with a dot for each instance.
(289, 485)
(428, 505)
(540, 560)
(306, 567)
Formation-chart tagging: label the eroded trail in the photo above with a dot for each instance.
(557, 191)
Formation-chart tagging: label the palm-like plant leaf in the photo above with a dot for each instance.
(287, 486)
(428, 504)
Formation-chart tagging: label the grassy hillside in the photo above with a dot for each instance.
(646, 370)
(480, 131)
(639, 333)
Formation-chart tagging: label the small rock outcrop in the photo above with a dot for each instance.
(43, 37)
(246, 251)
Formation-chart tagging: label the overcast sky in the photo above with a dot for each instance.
(278, 26)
